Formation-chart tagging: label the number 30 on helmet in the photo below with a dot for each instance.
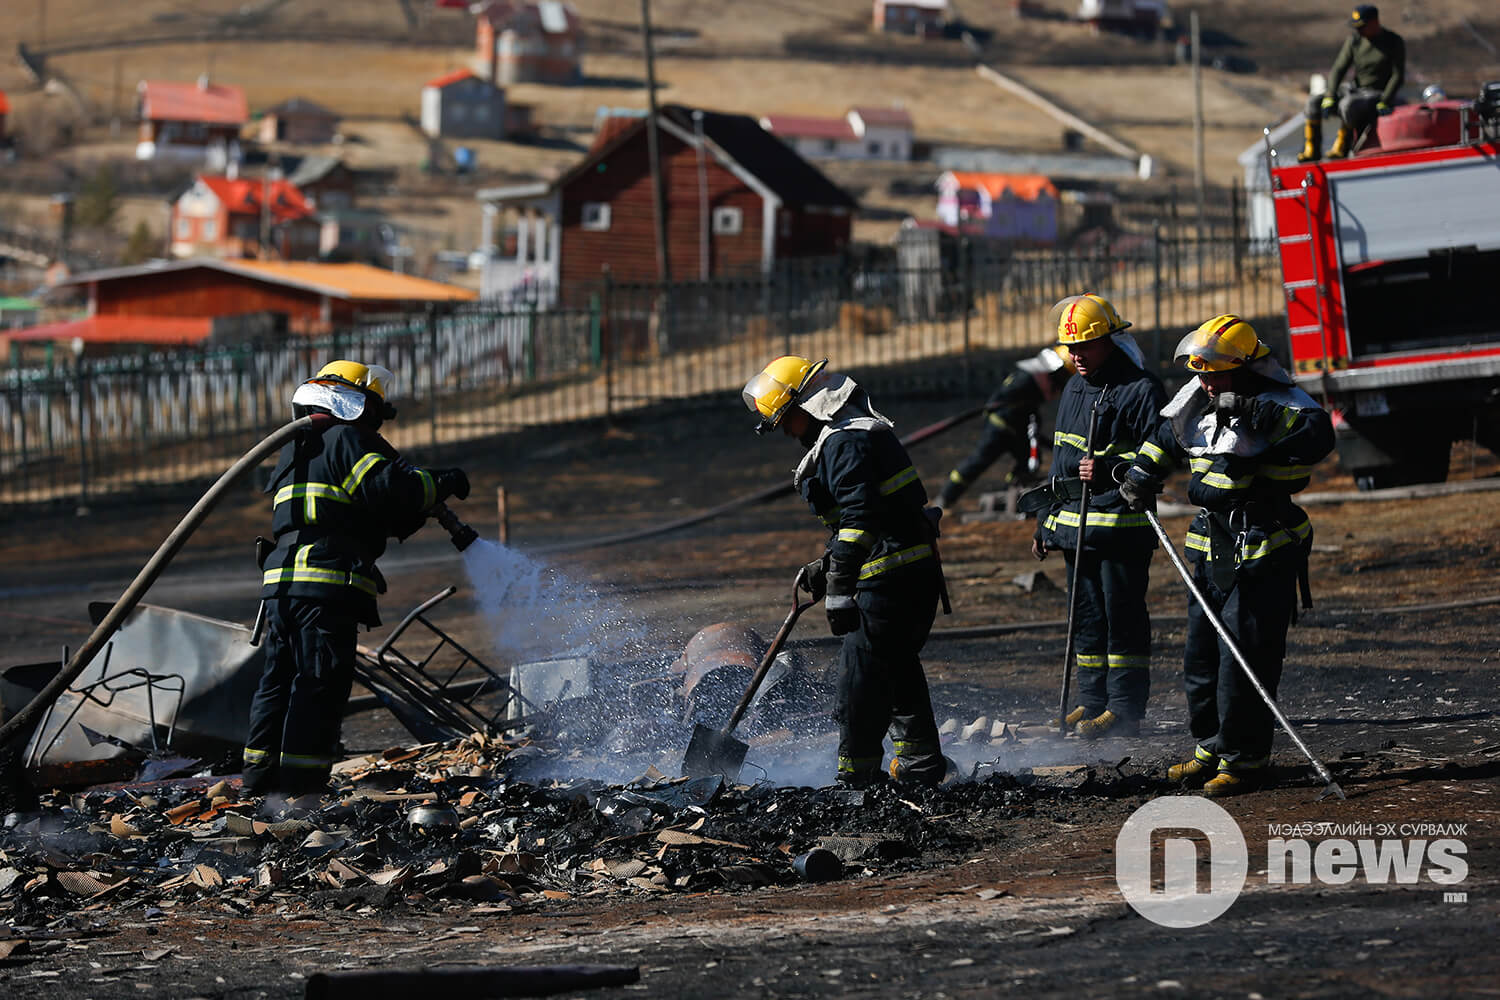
(1222, 344)
(778, 387)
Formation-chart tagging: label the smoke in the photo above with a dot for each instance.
(535, 611)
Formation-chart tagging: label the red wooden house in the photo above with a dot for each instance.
(539, 42)
(738, 201)
(229, 217)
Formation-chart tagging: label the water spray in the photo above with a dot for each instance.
(462, 535)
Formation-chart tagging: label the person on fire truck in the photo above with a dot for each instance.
(1011, 421)
(1112, 624)
(879, 578)
(1251, 438)
(338, 494)
(1378, 57)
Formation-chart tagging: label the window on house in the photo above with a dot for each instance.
(481, 112)
(874, 148)
(829, 145)
(209, 228)
(728, 221)
(596, 216)
(457, 113)
(184, 228)
(784, 224)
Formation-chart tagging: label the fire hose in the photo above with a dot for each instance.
(164, 554)
(1224, 634)
(760, 496)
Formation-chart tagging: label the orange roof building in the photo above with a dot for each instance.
(186, 119)
(303, 296)
(230, 216)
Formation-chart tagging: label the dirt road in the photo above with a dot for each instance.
(1390, 678)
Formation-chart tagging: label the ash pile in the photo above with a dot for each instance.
(458, 825)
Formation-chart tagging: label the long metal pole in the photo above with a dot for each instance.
(1083, 524)
(1218, 624)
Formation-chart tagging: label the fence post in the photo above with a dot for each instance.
(1234, 229)
(967, 248)
(83, 441)
(432, 372)
(1156, 286)
(607, 324)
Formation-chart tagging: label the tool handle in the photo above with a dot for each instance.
(765, 661)
(1085, 489)
(1234, 649)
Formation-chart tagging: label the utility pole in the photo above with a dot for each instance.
(1198, 172)
(663, 265)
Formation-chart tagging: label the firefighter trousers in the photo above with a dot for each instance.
(999, 439)
(1112, 633)
(882, 686)
(1228, 718)
(304, 686)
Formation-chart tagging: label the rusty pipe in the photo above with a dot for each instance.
(169, 548)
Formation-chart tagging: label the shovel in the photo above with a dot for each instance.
(716, 751)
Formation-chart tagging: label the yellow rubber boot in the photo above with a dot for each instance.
(1227, 783)
(1072, 719)
(1340, 147)
(1107, 723)
(1312, 141)
(1196, 772)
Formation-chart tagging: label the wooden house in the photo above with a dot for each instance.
(460, 105)
(230, 217)
(924, 18)
(863, 133)
(188, 120)
(738, 201)
(298, 121)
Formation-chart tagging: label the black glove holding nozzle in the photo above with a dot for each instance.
(462, 535)
(450, 483)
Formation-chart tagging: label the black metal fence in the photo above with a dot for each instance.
(88, 431)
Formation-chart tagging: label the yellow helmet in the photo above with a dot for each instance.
(1066, 355)
(777, 387)
(1081, 318)
(1222, 344)
(344, 387)
(372, 378)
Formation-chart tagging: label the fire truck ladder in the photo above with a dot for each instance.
(1291, 287)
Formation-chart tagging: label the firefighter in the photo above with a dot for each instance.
(1011, 421)
(1251, 438)
(1378, 57)
(879, 577)
(338, 495)
(1112, 636)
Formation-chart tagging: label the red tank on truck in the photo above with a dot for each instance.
(1390, 259)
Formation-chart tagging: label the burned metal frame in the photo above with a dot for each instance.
(87, 693)
(412, 687)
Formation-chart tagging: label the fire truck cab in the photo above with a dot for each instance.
(1391, 267)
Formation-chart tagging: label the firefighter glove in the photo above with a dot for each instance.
(1382, 108)
(1139, 490)
(843, 614)
(815, 578)
(451, 483)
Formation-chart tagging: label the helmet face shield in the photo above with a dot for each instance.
(777, 387)
(1222, 344)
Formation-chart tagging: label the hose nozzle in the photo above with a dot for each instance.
(462, 535)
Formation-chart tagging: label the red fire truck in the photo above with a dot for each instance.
(1391, 263)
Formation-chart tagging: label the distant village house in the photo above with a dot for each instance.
(326, 182)
(739, 202)
(1017, 207)
(298, 121)
(4, 111)
(1143, 18)
(862, 134)
(461, 105)
(189, 120)
(911, 17)
(529, 42)
(238, 217)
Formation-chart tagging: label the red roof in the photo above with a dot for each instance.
(242, 196)
(174, 101)
(884, 117)
(121, 330)
(449, 78)
(796, 127)
(1027, 187)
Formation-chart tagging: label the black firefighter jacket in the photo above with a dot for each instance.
(860, 482)
(1132, 398)
(338, 495)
